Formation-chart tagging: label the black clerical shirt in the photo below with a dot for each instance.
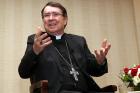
(67, 80)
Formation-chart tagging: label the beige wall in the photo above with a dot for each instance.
(116, 20)
(137, 21)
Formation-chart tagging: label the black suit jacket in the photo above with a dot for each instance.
(45, 66)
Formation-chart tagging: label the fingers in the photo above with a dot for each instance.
(43, 37)
(38, 32)
(39, 37)
(41, 40)
(46, 43)
(96, 52)
(104, 43)
(45, 40)
(99, 54)
(107, 48)
(102, 52)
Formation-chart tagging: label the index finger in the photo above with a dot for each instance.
(38, 32)
(107, 48)
(104, 43)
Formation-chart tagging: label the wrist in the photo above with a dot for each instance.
(35, 50)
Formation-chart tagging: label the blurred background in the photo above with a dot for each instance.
(116, 20)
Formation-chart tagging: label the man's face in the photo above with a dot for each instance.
(53, 19)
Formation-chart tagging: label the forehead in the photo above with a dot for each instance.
(49, 9)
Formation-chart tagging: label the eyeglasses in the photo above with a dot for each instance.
(54, 14)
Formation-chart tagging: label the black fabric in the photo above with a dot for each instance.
(70, 92)
(68, 82)
(46, 65)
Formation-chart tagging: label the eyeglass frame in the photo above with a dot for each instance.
(54, 14)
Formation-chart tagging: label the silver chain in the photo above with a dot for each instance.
(70, 64)
(72, 71)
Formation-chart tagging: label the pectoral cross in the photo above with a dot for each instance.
(74, 73)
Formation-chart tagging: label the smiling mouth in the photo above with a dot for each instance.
(52, 24)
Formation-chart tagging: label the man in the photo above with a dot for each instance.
(62, 59)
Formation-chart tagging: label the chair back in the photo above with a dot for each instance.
(39, 87)
(42, 87)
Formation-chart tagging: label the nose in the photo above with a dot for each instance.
(51, 17)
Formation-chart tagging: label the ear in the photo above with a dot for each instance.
(66, 20)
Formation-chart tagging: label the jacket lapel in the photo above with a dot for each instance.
(73, 48)
(54, 54)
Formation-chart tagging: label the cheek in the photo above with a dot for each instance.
(63, 23)
(45, 21)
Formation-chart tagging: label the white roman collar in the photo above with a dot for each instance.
(58, 37)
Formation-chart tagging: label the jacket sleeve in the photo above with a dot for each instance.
(93, 68)
(28, 61)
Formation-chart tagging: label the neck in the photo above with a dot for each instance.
(58, 33)
(56, 36)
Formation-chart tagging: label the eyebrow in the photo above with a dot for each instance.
(52, 12)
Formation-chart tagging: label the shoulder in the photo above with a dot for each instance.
(73, 36)
(77, 39)
(31, 38)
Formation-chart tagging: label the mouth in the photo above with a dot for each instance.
(52, 24)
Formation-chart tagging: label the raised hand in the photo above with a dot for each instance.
(40, 41)
(101, 54)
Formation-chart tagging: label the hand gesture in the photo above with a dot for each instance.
(101, 54)
(40, 41)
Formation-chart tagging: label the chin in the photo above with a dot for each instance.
(52, 31)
